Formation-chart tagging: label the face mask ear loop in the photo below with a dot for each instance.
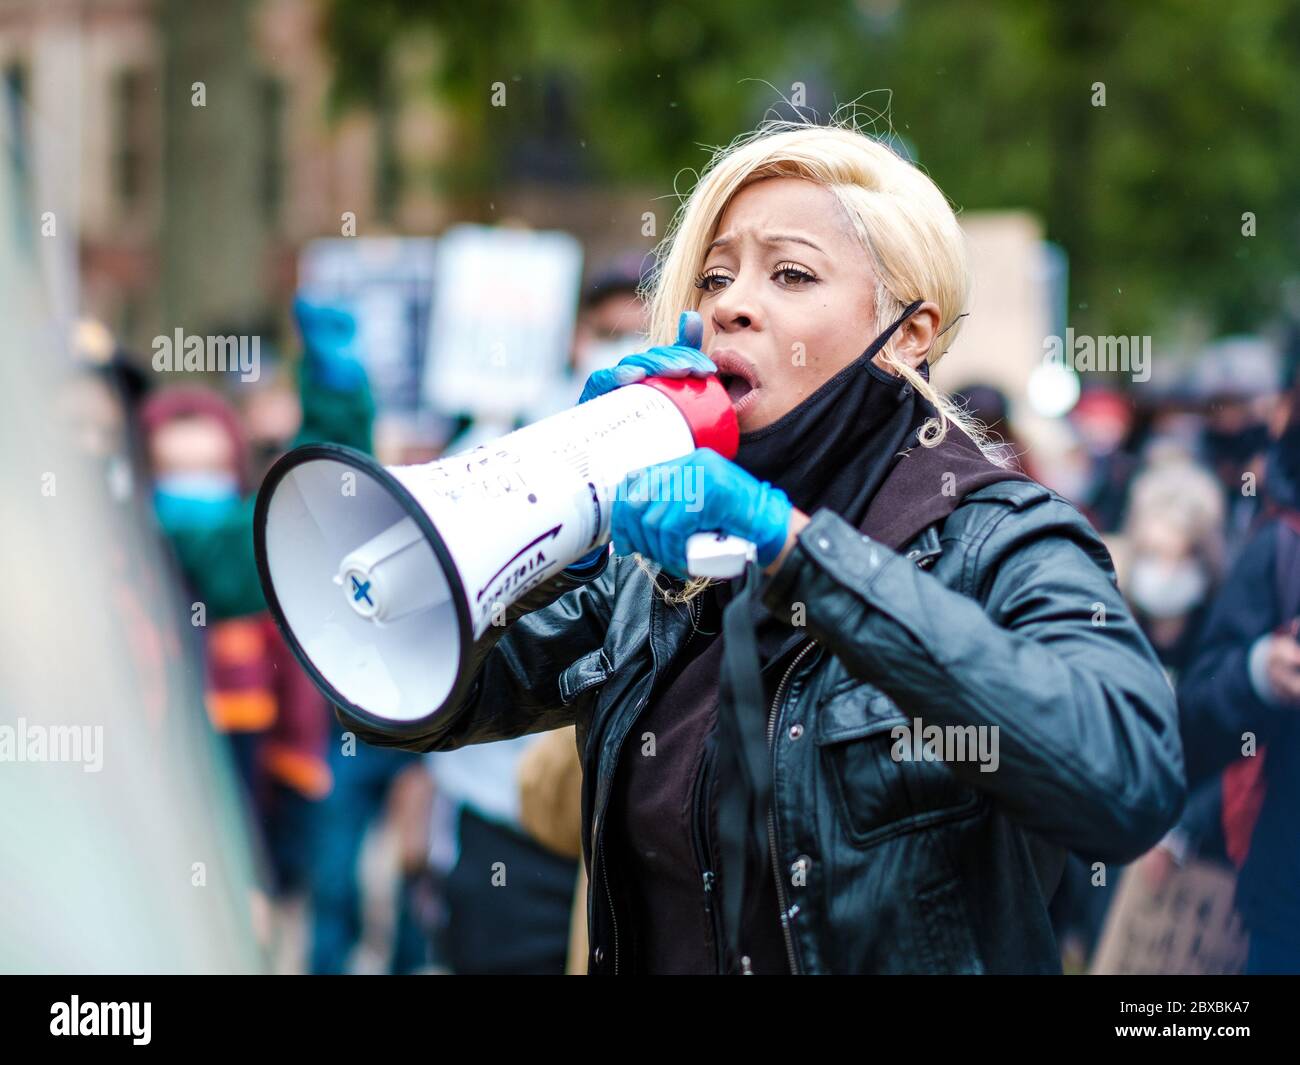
(924, 368)
(881, 342)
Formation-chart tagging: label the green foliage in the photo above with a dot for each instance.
(1200, 124)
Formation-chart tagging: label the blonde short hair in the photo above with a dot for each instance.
(902, 220)
(904, 223)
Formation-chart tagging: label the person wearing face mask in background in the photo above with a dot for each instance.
(1170, 554)
(203, 491)
(276, 722)
(1239, 702)
(611, 324)
(1238, 379)
(311, 808)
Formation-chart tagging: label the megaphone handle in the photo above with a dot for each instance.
(716, 555)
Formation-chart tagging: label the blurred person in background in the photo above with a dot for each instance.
(1169, 555)
(311, 798)
(256, 695)
(550, 810)
(100, 402)
(611, 324)
(1104, 420)
(1170, 422)
(271, 414)
(204, 496)
(1239, 702)
(508, 897)
(1238, 381)
(1169, 558)
(371, 785)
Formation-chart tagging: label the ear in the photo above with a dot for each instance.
(914, 338)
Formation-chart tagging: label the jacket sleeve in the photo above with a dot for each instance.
(517, 666)
(1216, 697)
(1038, 644)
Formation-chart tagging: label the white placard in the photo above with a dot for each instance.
(387, 283)
(502, 321)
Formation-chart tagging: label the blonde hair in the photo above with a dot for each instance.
(1175, 491)
(904, 223)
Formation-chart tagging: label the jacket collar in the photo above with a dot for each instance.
(926, 484)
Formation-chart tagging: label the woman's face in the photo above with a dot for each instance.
(787, 294)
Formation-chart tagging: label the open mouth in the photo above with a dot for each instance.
(737, 387)
(737, 376)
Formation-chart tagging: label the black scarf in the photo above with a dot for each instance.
(833, 450)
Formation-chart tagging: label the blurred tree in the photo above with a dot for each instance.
(213, 226)
(1141, 134)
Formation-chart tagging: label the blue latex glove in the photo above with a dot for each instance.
(677, 360)
(715, 494)
(330, 348)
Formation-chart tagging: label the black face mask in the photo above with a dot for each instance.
(1236, 447)
(835, 448)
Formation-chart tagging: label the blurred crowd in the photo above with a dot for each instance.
(377, 860)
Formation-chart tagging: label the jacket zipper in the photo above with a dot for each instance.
(771, 810)
(613, 917)
(699, 838)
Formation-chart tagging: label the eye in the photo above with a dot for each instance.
(792, 275)
(706, 279)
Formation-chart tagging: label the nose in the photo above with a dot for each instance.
(736, 307)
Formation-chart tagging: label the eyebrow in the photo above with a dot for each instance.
(770, 238)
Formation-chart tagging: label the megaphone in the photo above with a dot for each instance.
(383, 578)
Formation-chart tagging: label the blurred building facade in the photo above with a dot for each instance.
(187, 151)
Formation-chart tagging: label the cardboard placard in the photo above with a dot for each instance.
(1187, 927)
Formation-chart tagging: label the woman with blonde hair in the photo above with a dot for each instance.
(872, 753)
(1170, 555)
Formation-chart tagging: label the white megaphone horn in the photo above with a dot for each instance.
(382, 579)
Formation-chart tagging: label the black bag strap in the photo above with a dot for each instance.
(744, 764)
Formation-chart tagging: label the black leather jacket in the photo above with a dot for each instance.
(1005, 614)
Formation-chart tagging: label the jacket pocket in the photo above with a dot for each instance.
(880, 796)
(586, 673)
(948, 940)
(853, 734)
